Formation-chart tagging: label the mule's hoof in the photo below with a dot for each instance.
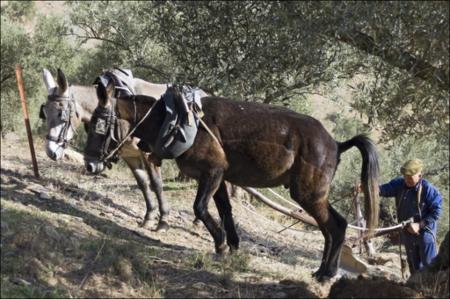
(323, 276)
(233, 249)
(146, 223)
(162, 226)
(197, 222)
(316, 273)
(221, 249)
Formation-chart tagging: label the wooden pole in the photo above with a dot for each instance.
(360, 221)
(298, 214)
(21, 87)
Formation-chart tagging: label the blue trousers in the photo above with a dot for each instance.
(420, 250)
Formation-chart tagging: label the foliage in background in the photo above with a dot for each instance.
(122, 35)
(44, 47)
(288, 48)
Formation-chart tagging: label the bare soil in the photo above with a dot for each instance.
(68, 233)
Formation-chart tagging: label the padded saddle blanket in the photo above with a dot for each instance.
(180, 125)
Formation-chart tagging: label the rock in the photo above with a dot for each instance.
(44, 196)
(370, 288)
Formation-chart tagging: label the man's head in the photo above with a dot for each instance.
(412, 172)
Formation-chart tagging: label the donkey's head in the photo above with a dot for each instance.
(60, 114)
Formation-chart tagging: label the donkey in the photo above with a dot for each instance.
(257, 145)
(69, 106)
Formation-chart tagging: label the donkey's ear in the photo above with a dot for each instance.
(48, 80)
(62, 81)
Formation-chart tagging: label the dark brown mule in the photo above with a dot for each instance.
(260, 146)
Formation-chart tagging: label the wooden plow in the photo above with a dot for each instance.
(349, 261)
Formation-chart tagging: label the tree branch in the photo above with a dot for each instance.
(396, 57)
(7, 77)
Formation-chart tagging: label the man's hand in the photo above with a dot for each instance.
(413, 228)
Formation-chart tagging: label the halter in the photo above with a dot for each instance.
(104, 121)
(65, 115)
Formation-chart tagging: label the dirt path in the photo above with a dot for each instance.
(69, 233)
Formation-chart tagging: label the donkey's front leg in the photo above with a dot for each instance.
(207, 186)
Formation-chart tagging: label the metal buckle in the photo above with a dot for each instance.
(100, 126)
(64, 115)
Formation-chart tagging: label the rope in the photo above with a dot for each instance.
(384, 229)
(209, 130)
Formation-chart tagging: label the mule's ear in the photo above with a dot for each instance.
(102, 94)
(48, 80)
(62, 81)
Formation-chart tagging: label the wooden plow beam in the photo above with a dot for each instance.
(348, 260)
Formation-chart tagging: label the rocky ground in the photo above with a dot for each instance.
(70, 234)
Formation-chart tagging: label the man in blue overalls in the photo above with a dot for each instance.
(416, 197)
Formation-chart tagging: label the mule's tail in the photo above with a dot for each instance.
(369, 175)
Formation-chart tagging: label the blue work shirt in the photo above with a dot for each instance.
(406, 200)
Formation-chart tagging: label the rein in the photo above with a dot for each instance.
(121, 143)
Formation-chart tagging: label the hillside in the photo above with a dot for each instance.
(73, 234)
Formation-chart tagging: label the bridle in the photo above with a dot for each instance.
(103, 123)
(65, 115)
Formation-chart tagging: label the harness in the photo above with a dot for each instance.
(65, 115)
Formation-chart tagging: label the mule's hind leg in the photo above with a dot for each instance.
(156, 185)
(337, 231)
(310, 189)
(137, 168)
(317, 208)
(222, 201)
(333, 228)
(207, 187)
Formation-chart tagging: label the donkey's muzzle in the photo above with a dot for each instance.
(54, 151)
